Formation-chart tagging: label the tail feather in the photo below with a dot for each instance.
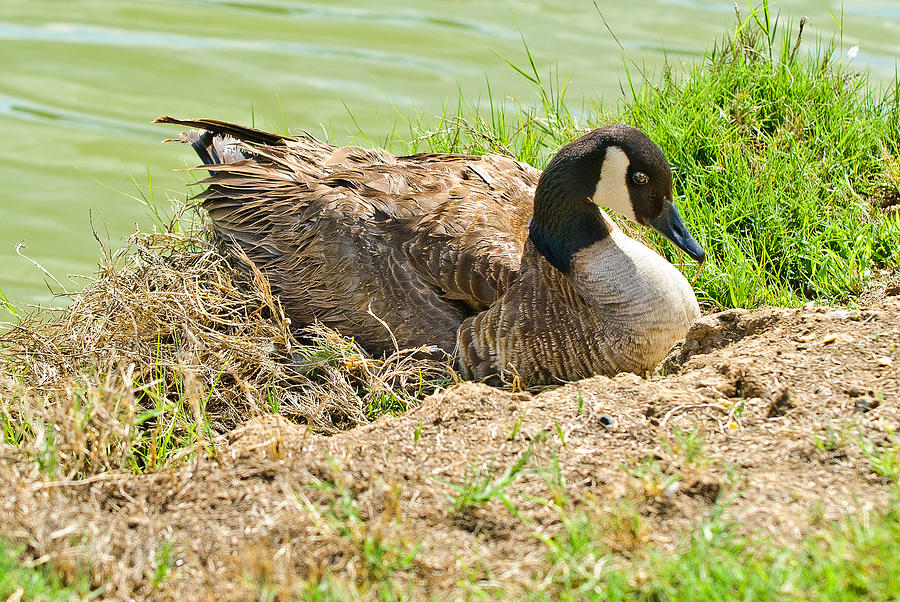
(203, 142)
(242, 165)
(242, 133)
(219, 143)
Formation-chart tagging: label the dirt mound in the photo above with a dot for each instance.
(759, 413)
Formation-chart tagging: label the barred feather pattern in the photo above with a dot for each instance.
(619, 310)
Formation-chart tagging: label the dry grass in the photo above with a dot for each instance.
(168, 348)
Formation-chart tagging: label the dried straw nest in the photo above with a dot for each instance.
(171, 333)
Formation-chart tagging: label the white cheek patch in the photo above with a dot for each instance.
(611, 190)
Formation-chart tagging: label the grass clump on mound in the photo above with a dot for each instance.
(787, 162)
(847, 560)
(39, 582)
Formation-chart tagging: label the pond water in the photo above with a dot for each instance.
(81, 80)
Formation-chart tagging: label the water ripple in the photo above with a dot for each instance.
(70, 33)
(19, 108)
(381, 16)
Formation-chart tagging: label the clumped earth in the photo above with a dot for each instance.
(765, 415)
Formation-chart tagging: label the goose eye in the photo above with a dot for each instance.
(640, 177)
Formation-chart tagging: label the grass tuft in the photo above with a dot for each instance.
(35, 580)
(481, 486)
(847, 560)
(787, 166)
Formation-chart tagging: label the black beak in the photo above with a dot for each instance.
(670, 225)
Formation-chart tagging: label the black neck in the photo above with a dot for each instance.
(565, 219)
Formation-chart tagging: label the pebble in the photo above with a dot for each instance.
(864, 404)
(608, 421)
(671, 489)
(855, 390)
(884, 361)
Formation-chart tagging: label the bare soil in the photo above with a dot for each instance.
(780, 398)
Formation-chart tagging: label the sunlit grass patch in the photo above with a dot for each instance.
(847, 560)
(785, 161)
(601, 553)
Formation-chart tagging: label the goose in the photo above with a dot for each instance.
(510, 270)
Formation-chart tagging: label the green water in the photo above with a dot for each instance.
(80, 80)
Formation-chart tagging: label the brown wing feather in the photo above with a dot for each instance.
(223, 127)
(327, 260)
(470, 245)
(344, 232)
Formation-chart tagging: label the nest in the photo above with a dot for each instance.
(174, 335)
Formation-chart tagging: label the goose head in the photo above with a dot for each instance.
(618, 167)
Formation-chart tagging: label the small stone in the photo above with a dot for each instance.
(830, 338)
(671, 489)
(864, 404)
(707, 487)
(781, 404)
(855, 390)
(607, 420)
(885, 361)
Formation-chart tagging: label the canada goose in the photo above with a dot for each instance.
(485, 257)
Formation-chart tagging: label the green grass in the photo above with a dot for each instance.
(783, 164)
(40, 582)
(4, 301)
(481, 486)
(601, 552)
(883, 460)
(381, 553)
(103, 426)
(782, 158)
(598, 554)
(849, 560)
